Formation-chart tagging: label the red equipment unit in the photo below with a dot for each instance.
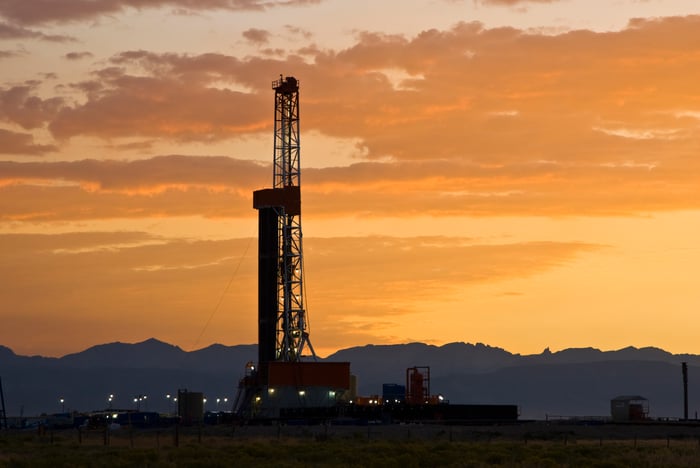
(417, 385)
(335, 375)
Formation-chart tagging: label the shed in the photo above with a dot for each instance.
(629, 408)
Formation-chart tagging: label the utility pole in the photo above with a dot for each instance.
(684, 367)
(3, 413)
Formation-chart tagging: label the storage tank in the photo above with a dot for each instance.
(190, 407)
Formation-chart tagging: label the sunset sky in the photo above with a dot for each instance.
(524, 174)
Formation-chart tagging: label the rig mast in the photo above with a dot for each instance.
(282, 327)
(282, 384)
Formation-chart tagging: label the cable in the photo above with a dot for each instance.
(221, 298)
(306, 295)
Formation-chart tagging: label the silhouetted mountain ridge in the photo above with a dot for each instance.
(146, 354)
(573, 381)
(574, 355)
(6, 353)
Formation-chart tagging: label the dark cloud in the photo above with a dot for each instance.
(222, 187)
(9, 54)
(162, 186)
(44, 11)
(78, 55)
(19, 106)
(21, 144)
(257, 36)
(175, 99)
(147, 174)
(10, 31)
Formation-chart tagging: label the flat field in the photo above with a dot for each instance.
(528, 445)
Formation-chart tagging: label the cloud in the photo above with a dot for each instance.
(296, 31)
(10, 31)
(567, 83)
(5, 54)
(221, 187)
(435, 263)
(21, 144)
(163, 186)
(257, 36)
(128, 176)
(45, 11)
(180, 97)
(454, 84)
(373, 289)
(19, 106)
(78, 55)
(481, 121)
(9, 54)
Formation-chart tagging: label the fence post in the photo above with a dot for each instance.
(177, 435)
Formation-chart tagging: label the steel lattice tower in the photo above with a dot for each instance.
(283, 380)
(280, 270)
(291, 324)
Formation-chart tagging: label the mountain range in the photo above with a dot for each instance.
(572, 382)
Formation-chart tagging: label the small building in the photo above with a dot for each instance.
(629, 408)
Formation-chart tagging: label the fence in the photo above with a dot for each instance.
(526, 433)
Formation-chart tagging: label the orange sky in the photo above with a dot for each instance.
(518, 173)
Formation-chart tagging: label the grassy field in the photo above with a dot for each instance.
(395, 446)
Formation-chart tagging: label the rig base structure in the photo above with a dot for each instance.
(283, 389)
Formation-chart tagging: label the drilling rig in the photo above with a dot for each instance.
(285, 381)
